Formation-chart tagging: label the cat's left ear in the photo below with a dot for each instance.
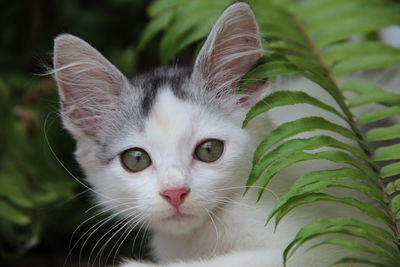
(89, 85)
(231, 49)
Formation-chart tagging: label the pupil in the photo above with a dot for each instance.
(137, 156)
(208, 148)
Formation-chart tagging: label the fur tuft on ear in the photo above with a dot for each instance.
(89, 85)
(230, 50)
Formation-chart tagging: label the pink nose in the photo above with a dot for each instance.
(175, 196)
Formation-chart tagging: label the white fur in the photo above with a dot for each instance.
(233, 234)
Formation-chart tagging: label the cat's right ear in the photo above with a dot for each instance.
(231, 49)
(89, 85)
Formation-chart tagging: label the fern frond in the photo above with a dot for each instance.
(310, 38)
(330, 57)
(198, 17)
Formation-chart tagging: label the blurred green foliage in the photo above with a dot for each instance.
(30, 177)
(40, 202)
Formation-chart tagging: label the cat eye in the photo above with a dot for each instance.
(209, 150)
(135, 159)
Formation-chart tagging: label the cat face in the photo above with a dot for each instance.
(171, 133)
(167, 147)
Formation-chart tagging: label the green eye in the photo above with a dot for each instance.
(210, 150)
(135, 159)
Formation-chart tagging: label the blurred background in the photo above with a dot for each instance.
(47, 217)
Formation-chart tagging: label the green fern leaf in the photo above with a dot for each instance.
(283, 162)
(379, 114)
(346, 226)
(299, 126)
(306, 184)
(387, 153)
(154, 27)
(342, 51)
(391, 170)
(283, 98)
(356, 246)
(383, 133)
(372, 98)
(296, 145)
(268, 69)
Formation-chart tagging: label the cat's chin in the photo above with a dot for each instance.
(178, 223)
(178, 216)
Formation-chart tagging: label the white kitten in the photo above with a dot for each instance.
(167, 150)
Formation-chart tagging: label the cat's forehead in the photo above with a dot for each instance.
(152, 83)
(172, 125)
(165, 105)
(174, 121)
(170, 114)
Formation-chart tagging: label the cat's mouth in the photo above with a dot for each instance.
(177, 216)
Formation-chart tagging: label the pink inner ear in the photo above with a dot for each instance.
(89, 90)
(236, 51)
(230, 51)
(231, 59)
(252, 93)
(85, 120)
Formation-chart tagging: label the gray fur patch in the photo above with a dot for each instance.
(150, 83)
(136, 105)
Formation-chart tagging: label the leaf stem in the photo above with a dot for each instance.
(350, 119)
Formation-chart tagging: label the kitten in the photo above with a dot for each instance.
(167, 150)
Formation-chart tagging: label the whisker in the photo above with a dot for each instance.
(219, 220)
(216, 232)
(143, 239)
(62, 165)
(96, 227)
(229, 200)
(71, 248)
(102, 223)
(135, 220)
(126, 234)
(250, 186)
(232, 202)
(87, 220)
(137, 234)
(115, 225)
(125, 225)
(99, 253)
(112, 200)
(72, 198)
